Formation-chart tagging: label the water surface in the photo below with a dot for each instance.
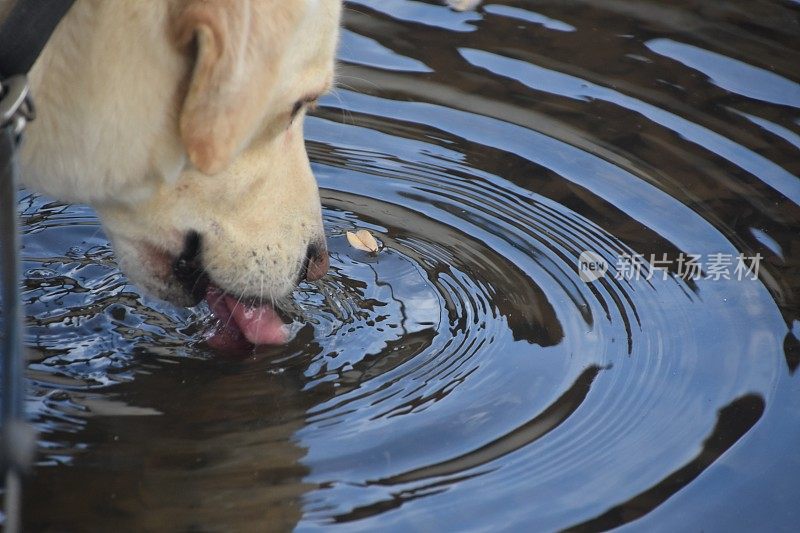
(466, 377)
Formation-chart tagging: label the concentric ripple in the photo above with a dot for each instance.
(467, 377)
(551, 377)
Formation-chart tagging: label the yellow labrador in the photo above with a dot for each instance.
(181, 123)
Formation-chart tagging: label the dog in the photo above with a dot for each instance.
(181, 123)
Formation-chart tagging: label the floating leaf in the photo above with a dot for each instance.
(463, 5)
(363, 240)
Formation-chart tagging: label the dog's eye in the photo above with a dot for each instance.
(300, 104)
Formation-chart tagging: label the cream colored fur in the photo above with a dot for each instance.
(172, 116)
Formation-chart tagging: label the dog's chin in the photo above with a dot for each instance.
(161, 287)
(240, 322)
(173, 295)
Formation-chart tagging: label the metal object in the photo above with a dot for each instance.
(15, 107)
(18, 437)
(24, 31)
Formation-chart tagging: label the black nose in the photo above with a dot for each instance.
(317, 263)
(188, 268)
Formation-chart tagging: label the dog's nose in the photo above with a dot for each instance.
(188, 267)
(317, 262)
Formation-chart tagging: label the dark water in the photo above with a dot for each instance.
(467, 378)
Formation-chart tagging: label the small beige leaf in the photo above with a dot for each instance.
(463, 5)
(363, 240)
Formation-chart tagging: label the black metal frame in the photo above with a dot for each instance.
(23, 34)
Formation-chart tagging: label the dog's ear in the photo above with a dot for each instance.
(225, 100)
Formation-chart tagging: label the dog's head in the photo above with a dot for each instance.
(181, 122)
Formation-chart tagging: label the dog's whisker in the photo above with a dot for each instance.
(203, 274)
(375, 85)
(260, 297)
(343, 108)
(96, 232)
(235, 306)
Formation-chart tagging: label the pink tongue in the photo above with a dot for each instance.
(258, 324)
